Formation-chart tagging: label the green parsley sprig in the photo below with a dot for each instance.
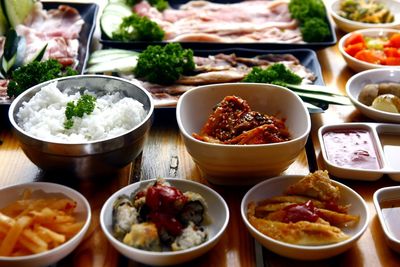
(84, 105)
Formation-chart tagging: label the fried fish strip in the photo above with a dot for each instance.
(300, 233)
(317, 185)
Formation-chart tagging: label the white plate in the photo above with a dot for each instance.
(276, 186)
(388, 152)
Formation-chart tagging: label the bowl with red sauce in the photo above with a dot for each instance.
(242, 133)
(314, 249)
(361, 151)
(164, 221)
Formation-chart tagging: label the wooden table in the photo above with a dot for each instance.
(164, 155)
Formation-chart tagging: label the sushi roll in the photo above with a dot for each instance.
(143, 236)
(124, 215)
(191, 236)
(194, 210)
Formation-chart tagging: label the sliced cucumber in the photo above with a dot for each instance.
(117, 1)
(17, 10)
(126, 64)
(112, 16)
(105, 52)
(110, 57)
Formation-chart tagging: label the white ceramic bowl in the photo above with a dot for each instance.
(359, 65)
(355, 84)
(350, 25)
(42, 190)
(382, 194)
(276, 186)
(243, 164)
(217, 209)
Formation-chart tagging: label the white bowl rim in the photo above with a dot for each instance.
(357, 102)
(164, 253)
(362, 31)
(302, 247)
(334, 14)
(234, 146)
(17, 99)
(55, 250)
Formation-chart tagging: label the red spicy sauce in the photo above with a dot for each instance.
(301, 212)
(351, 149)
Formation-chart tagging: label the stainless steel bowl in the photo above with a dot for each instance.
(92, 158)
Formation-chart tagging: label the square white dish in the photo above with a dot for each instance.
(380, 143)
(389, 195)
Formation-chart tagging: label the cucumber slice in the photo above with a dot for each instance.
(110, 57)
(112, 17)
(17, 10)
(126, 64)
(105, 52)
(117, 1)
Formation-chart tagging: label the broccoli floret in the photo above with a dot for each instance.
(137, 28)
(275, 74)
(164, 65)
(314, 30)
(34, 73)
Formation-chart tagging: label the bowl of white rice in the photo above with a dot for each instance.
(89, 143)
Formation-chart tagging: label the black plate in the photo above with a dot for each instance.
(307, 58)
(208, 45)
(88, 13)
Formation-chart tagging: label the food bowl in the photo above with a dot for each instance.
(86, 158)
(386, 202)
(277, 186)
(12, 193)
(357, 82)
(359, 65)
(348, 25)
(217, 209)
(243, 164)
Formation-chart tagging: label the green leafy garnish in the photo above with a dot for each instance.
(159, 4)
(275, 74)
(34, 73)
(312, 17)
(137, 28)
(84, 105)
(164, 65)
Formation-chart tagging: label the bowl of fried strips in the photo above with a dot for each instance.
(307, 217)
(40, 223)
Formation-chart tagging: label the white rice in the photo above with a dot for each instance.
(44, 116)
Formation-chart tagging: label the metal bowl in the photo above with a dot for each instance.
(91, 158)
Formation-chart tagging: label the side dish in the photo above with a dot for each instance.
(381, 96)
(233, 122)
(70, 116)
(160, 217)
(366, 11)
(35, 225)
(310, 213)
(381, 50)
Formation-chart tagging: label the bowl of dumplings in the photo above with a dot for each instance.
(376, 94)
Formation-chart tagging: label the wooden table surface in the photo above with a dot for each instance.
(164, 155)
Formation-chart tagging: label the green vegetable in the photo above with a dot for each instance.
(315, 30)
(84, 105)
(275, 74)
(159, 4)
(34, 73)
(137, 28)
(164, 65)
(312, 17)
(15, 11)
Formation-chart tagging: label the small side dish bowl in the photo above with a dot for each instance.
(86, 158)
(243, 164)
(82, 211)
(217, 209)
(375, 76)
(348, 25)
(358, 65)
(387, 206)
(277, 186)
